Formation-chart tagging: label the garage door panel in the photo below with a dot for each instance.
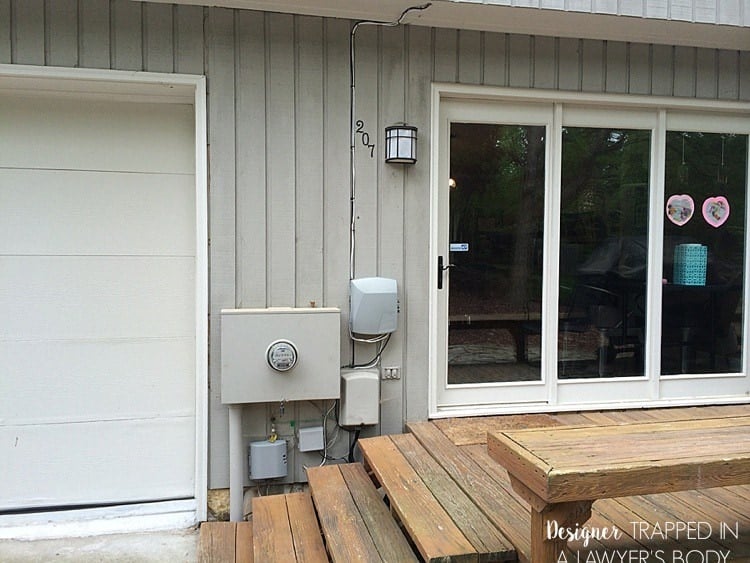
(72, 212)
(98, 294)
(86, 134)
(73, 297)
(131, 378)
(37, 465)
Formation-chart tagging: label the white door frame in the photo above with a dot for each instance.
(569, 395)
(116, 85)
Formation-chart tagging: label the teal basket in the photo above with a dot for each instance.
(690, 264)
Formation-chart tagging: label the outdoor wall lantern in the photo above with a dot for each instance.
(401, 144)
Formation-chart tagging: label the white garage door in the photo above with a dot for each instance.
(97, 302)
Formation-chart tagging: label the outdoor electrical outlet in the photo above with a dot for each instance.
(392, 373)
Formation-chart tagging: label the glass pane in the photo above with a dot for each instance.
(704, 252)
(603, 252)
(496, 227)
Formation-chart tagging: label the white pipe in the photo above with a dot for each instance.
(237, 464)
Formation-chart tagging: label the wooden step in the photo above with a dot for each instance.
(485, 481)
(355, 521)
(441, 520)
(285, 529)
(225, 542)
(487, 539)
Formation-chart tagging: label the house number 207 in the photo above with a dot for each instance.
(365, 137)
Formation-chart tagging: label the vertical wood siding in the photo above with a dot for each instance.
(278, 95)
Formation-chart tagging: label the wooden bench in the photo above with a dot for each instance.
(561, 471)
(285, 529)
(519, 325)
(356, 523)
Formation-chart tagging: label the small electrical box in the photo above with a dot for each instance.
(280, 354)
(360, 397)
(374, 306)
(311, 439)
(268, 459)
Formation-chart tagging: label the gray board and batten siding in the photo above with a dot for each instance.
(278, 97)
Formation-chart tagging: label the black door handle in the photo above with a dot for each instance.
(440, 269)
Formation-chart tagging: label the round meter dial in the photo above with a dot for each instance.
(281, 355)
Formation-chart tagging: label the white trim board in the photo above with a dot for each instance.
(147, 517)
(152, 87)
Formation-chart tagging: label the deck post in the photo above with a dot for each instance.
(550, 526)
(550, 522)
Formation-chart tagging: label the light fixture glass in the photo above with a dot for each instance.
(401, 144)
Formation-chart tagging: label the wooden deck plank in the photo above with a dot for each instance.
(602, 418)
(308, 543)
(602, 521)
(671, 509)
(696, 413)
(614, 514)
(385, 532)
(468, 431)
(243, 544)
(657, 511)
(482, 458)
(572, 419)
(713, 513)
(742, 491)
(711, 505)
(429, 526)
(216, 542)
(661, 510)
(622, 514)
(335, 505)
(728, 497)
(490, 543)
(272, 533)
(483, 483)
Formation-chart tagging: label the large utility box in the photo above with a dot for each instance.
(374, 305)
(280, 354)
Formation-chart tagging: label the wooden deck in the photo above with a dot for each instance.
(449, 460)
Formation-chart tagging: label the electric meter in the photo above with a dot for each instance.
(281, 355)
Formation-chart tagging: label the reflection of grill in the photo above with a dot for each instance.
(611, 306)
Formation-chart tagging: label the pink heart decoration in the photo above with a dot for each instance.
(680, 209)
(716, 211)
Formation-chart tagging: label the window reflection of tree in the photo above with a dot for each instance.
(604, 195)
(706, 165)
(497, 207)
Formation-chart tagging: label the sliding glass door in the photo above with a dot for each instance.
(563, 238)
